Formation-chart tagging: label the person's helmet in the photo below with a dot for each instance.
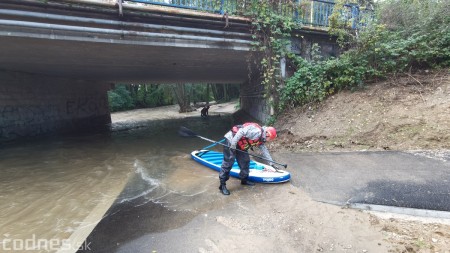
(271, 133)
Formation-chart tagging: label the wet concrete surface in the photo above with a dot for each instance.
(151, 228)
(128, 221)
(380, 178)
(145, 224)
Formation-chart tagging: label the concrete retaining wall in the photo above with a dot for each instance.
(32, 105)
(302, 42)
(255, 102)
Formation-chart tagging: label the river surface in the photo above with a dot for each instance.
(55, 190)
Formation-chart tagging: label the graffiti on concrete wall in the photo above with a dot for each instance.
(27, 113)
(86, 106)
(26, 120)
(31, 120)
(32, 105)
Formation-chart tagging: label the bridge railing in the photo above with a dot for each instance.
(215, 6)
(314, 13)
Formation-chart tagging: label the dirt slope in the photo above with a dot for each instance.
(410, 112)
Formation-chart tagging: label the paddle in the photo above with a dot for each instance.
(186, 132)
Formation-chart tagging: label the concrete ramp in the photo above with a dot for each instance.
(366, 180)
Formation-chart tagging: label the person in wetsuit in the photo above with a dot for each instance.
(238, 141)
(204, 111)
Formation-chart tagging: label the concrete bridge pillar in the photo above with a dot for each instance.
(254, 100)
(32, 105)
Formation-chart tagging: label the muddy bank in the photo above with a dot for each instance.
(403, 113)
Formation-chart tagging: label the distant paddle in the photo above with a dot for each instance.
(186, 132)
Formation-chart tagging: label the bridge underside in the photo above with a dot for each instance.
(93, 42)
(126, 63)
(59, 58)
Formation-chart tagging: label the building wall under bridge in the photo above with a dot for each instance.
(32, 105)
(254, 100)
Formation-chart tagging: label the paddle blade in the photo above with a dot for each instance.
(186, 132)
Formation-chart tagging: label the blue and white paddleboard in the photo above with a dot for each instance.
(259, 172)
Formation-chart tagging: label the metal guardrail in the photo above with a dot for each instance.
(215, 6)
(317, 13)
(314, 13)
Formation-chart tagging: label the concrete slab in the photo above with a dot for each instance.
(399, 179)
(381, 181)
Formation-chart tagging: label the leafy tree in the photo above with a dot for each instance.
(153, 95)
(225, 92)
(183, 96)
(402, 35)
(126, 97)
(120, 99)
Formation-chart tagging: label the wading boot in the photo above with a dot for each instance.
(246, 182)
(223, 189)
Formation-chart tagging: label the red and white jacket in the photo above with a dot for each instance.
(248, 135)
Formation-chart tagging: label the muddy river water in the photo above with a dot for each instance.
(54, 191)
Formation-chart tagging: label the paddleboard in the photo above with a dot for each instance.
(259, 172)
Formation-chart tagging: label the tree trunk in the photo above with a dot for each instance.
(207, 93)
(215, 92)
(225, 93)
(183, 97)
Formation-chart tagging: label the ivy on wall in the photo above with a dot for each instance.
(273, 24)
(397, 36)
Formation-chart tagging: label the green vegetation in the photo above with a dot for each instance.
(399, 36)
(403, 35)
(127, 97)
(120, 99)
(272, 31)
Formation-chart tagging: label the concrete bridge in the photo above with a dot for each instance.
(59, 58)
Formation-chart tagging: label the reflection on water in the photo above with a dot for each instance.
(55, 188)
